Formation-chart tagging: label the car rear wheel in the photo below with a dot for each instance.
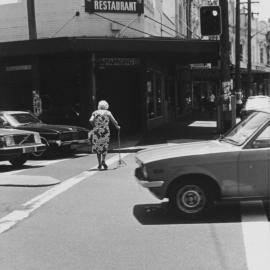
(191, 199)
(18, 161)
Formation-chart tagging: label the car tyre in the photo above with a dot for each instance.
(41, 153)
(191, 199)
(18, 161)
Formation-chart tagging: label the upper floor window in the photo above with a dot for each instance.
(261, 56)
(241, 52)
(268, 55)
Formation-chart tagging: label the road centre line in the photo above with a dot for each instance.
(256, 235)
(255, 226)
(10, 220)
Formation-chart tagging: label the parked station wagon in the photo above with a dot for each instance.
(51, 135)
(16, 145)
(195, 175)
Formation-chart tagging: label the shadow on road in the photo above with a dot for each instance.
(8, 168)
(159, 214)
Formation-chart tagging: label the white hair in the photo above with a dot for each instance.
(103, 105)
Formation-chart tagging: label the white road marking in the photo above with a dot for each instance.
(14, 217)
(256, 235)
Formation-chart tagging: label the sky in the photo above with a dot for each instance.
(263, 7)
(3, 2)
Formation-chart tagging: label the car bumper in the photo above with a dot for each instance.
(155, 187)
(150, 184)
(7, 152)
(63, 143)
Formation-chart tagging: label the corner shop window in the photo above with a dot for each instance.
(154, 94)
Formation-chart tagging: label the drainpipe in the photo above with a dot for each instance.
(177, 17)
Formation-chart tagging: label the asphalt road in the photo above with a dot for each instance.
(102, 220)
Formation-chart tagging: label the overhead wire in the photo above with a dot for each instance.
(124, 25)
(66, 23)
(129, 27)
(164, 25)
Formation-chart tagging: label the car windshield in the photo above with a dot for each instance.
(18, 119)
(246, 128)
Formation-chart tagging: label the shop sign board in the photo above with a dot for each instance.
(114, 6)
(117, 61)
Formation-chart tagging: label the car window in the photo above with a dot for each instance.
(263, 140)
(22, 118)
(2, 121)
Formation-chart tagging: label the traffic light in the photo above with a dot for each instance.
(210, 17)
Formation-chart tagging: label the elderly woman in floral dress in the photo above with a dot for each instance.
(100, 120)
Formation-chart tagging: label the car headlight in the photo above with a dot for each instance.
(37, 138)
(9, 140)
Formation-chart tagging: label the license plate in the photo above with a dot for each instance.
(29, 150)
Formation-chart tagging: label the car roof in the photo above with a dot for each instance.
(262, 110)
(13, 112)
(260, 96)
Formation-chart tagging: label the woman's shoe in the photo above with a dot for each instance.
(99, 166)
(104, 165)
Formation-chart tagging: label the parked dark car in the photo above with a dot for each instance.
(255, 103)
(51, 135)
(61, 115)
(16, 145)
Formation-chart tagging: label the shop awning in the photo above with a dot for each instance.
(189, 51)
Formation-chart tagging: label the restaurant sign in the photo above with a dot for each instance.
(114, 6)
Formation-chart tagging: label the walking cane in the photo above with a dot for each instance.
(121, 162)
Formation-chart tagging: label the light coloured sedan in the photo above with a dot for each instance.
(195, 175)
(16, 145)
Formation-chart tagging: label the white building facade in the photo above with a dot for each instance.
(128, 50)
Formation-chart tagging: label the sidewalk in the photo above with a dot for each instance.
(181, 131)
(178, 131)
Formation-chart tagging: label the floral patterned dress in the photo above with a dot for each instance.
(101, 131)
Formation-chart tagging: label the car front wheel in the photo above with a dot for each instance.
(41, 153)
(18, 161)
(190, 199)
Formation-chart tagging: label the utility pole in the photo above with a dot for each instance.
(31, 15)
(31, 19)
(249, 37)
(249, 79)
(189, 19)
(237, 82)
(224, 115)
(237, 49)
